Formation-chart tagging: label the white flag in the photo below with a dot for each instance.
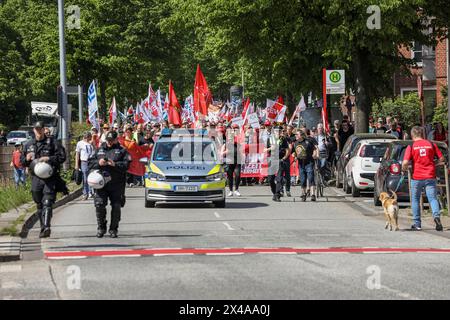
(93, 106)
(300, 108)
(112, 112)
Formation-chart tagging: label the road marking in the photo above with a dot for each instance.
(10, 268)
(225, 254)
(217, 215)
(122, 256)
(172, 254)
(277, 253)
(158, 252)
(228, 226)
(67, 257)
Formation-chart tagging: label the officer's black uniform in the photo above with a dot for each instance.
(44, 190)
(114, 189)
(275, 172)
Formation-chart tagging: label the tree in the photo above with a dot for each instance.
(441, 111)
(13, 86)
(406, 109)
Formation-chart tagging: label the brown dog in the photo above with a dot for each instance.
(391, 209)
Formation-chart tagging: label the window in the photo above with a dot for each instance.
(416, 52)
(374, 150)
(185, 151)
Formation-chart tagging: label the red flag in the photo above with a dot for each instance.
(281, 110)
(202, 95)
(246, 105)
(130, 111)
(174, 107)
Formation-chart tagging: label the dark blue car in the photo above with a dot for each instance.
(389, 173)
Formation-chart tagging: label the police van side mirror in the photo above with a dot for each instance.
(143, 160)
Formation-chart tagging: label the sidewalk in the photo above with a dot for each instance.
(17, 222)
(405, 215)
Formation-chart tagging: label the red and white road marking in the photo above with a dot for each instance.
(160, 252)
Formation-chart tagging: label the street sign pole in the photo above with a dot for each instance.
(80, 104)
(324, 107)
(63, 81)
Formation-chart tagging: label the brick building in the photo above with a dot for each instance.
(432, 65)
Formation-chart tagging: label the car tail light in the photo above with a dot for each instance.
(394, 168)
(362, 151)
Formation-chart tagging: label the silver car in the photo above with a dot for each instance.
(184, 167)
(15, 137)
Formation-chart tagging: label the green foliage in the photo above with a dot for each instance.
(11, 198)
(441, 111)
(407, 109)
(281, 47)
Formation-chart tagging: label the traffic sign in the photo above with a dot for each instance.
(335, 81)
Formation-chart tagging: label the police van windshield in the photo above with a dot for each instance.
(185, 151)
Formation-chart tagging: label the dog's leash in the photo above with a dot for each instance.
(402, 178)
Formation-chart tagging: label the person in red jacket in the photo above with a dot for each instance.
(136, 169)
(19, 170)
(422, 155)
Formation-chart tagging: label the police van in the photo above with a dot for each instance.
(184, 167)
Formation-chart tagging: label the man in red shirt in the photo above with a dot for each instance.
(19, 170)
(422, 154)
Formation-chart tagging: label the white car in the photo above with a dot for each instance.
(364, 161)
(17, 137)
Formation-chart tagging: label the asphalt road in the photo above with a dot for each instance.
(253, 249)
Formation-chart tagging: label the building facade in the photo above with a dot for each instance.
(432, 66)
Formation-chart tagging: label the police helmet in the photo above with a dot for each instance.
(41, 169)
(97, 179)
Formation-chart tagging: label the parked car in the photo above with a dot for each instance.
(359, 174)
(17, 137)
(349, 147)
(389, 174)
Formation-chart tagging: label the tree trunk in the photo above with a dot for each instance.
(363, 97)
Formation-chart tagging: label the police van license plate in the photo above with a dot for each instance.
(186, 188)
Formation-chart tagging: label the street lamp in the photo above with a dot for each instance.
(63, 83)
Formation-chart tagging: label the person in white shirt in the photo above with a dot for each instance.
(84, 151)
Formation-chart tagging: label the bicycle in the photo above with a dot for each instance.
(319, 179)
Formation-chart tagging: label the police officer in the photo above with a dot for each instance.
(277, 148)
(44, 156)
(112, 160)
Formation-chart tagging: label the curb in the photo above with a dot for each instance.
(379, 213)
(10, 249)
(31, 218)
(13, 251)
